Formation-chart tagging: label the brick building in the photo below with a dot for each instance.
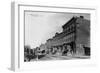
(76, 34)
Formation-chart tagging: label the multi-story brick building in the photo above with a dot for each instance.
(76, 34)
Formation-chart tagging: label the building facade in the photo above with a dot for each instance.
(75, 34)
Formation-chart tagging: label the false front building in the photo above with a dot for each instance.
(76, 34)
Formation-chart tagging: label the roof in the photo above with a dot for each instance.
(69, 22)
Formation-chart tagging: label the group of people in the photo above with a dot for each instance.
(37, 53)
(61, 51)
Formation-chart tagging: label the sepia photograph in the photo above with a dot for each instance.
(56, 36)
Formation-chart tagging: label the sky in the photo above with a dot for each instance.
(40, 26)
